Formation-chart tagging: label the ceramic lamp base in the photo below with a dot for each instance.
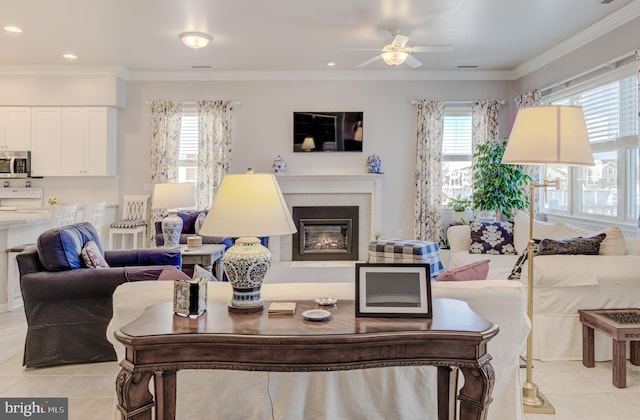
(246, 263)
(171, 230)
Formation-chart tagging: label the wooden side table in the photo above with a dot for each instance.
(159, 344)
(621, 325)
(205, 255)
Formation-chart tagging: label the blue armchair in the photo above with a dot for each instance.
(68, 305)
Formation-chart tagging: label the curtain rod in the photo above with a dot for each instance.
(501, 102)
(238, 103)
(609, 65)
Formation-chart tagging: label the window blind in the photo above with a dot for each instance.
(188, 133)
(456, 139)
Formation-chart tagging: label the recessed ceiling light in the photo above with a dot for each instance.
(13, 29)
(69, 56)
(195, 39)
(331, 63)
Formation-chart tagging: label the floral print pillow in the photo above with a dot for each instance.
(492, 238)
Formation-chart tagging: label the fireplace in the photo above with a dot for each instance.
(325, 233)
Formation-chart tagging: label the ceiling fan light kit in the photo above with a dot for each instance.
(394, 58)
(195, 40)
(396, 51)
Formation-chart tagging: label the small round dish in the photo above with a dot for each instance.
(326, 301)
(316, 315)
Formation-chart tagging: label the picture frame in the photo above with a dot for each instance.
(393, 290)
(328, 131)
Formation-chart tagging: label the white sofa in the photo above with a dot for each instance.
(399, 392)
(564, 283)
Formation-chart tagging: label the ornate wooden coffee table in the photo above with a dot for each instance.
(159, 343)
(621, 325)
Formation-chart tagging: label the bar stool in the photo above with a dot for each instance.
(134, 213)
(94, 213)
(64, 215)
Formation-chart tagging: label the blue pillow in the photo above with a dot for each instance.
(492, 238)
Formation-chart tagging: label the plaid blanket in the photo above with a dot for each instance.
(407, 251)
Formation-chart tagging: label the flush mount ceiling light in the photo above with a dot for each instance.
(13, 29)
(195, 39)
(394, 58)
(69, 56)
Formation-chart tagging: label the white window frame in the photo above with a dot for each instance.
(626, 149)
(450, 111)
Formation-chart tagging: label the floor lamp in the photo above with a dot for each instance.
(544, 135)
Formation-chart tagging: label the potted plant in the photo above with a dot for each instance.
(497, 187)
(459, 205)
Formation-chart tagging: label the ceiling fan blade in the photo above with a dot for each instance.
(369, 61)
(413, 62)
(361, 49)
(399, 41)
(433, 48)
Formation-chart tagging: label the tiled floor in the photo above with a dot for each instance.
(577, 393)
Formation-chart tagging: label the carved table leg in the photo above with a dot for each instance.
(475, 395)
(134, 399)
(634, 357)
(165, 390)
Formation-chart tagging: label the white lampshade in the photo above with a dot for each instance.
(394, 58)
(308, 144)
(549, 135)
(173, 195)
(248, 205)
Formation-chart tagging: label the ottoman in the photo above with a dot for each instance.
(398, 251)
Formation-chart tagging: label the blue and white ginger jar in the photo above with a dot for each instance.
(374, 164)
(279, 165)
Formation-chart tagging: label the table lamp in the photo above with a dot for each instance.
(308, 144)
(170, 196)
(247, 206)
(544, 135)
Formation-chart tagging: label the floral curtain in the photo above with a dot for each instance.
(638, 172)
(427, 222)
(532, 98)
(214, 148)
(165, 143)
(484, 122)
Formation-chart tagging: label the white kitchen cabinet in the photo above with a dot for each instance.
(46, 138)
(88, 141)
(85, 146)
(15, 128)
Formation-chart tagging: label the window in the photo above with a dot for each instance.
(188, 154)
(608, 190)
(456, 153)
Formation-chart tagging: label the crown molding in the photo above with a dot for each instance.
(616, 19)
(401, 75)
(117, 71)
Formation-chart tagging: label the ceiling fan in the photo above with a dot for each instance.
(396, 51)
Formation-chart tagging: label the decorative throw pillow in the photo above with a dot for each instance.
(199, 222)
(172, 273)
(573, 246)
(541, 230)
(199, 272)
(92, 257)
(614, 243)
(477, 270)
(491, 238)
(516, 272)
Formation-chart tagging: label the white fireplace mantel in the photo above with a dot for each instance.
(362, 184)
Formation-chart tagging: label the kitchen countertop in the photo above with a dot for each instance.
(24, 216)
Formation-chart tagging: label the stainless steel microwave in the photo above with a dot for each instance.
(15, 164)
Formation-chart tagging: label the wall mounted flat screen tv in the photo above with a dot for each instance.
(327, 131)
